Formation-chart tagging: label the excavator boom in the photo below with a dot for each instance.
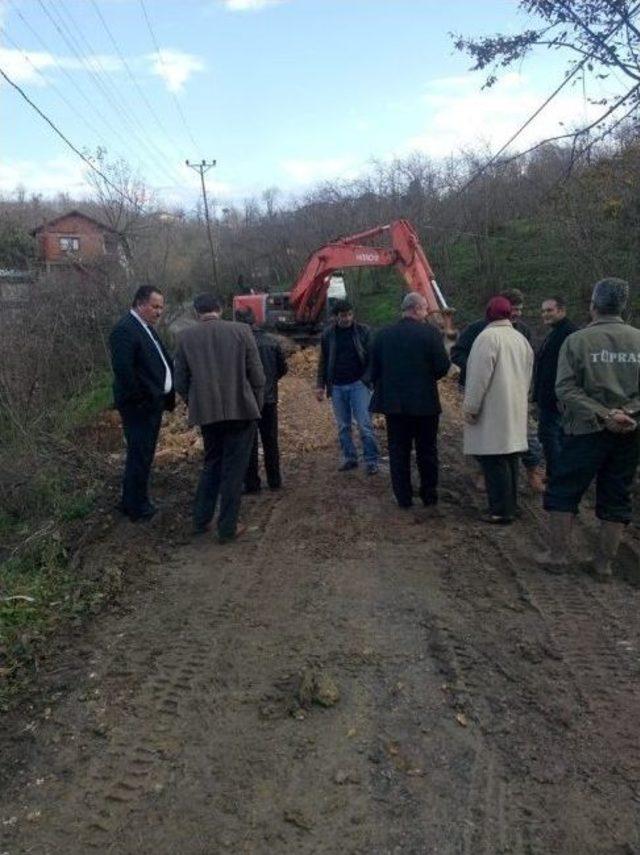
(308, 295)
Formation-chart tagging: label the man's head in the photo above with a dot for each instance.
(148, 303)
(207, 305)
(414, 306)
(343, 313)
(553, 311)
(516, 298)
(246, 316)
(609, 296)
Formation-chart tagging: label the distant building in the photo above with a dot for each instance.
(76, 240)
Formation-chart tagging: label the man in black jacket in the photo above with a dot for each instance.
(274, 364)
(343, 372)
(408, 359)
(531, 459)
(550, 434)
(142, 390)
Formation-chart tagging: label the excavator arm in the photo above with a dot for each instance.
(309, 294)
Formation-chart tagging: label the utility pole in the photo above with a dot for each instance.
(202, 168)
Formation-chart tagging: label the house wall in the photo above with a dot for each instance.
(91, 239)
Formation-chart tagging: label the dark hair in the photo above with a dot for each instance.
(143, 294)
(513, 295)
(246, 316)
(206, 303)
(341, 306)
(559, 301)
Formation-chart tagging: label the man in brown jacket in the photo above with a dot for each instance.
(219, 373)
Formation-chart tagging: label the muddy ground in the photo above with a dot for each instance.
(484, 707)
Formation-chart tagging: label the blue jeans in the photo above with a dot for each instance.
(351, 402)
(532, 457)
(551, 436)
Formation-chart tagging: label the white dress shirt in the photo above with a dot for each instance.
(168, 380)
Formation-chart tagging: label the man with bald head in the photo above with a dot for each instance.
(408, 359)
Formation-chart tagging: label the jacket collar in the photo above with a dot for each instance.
(505, 322)
(607, 319)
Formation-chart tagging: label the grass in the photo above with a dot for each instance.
(37, 594)
(38, 588)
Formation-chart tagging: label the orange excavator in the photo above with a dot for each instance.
(300, 312)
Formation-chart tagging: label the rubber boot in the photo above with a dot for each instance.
(609, 539)
(557, 557)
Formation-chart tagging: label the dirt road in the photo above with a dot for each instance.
(484, 707)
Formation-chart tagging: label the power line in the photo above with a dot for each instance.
(67, 141)
(537, 112)
(161, 61)
(72, 44)
(132, 77)
(72, 81)
(123, 105)
(60, 94)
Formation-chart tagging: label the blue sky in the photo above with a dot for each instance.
(281, 92)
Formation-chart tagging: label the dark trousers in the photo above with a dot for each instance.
(227, 446)
(501, 479)
(402, 433)
(610, 458)
(551, 436)
(141, 429)
(268, 430)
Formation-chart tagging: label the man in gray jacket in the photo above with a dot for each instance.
(598, 390)
(219, 373)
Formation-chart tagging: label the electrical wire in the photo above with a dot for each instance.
(474, 177)
(123, 105)
(118, 109)
(161, 61)
(68, 142)
(132, 77)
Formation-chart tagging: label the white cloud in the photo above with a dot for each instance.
(249, 5)
(175, 67)
(49, 177)
(309, 171)
(461, 116)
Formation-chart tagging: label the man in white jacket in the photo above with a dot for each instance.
(495, 408)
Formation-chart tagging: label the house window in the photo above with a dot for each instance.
(69, 244)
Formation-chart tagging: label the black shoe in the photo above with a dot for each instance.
(145, 516)
(347, 465)
(372, 468)
(252, 491)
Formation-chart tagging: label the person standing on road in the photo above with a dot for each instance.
(274, 364)
(408, 359)
(142, 391)
(532, 456)
(598, 389)
(495, 407)
(343, 374)
(219, 374)
(554, 316)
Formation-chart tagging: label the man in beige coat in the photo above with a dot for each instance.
(219, 373)
(495, 407)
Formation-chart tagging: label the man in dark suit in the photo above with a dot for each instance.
(219, 374)
(142, 390)
(408, 359)
(550, 433)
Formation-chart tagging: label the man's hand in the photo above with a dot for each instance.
(617, 421)
(471, 418)
(319, 394)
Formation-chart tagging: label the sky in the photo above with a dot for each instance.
(280, 93)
